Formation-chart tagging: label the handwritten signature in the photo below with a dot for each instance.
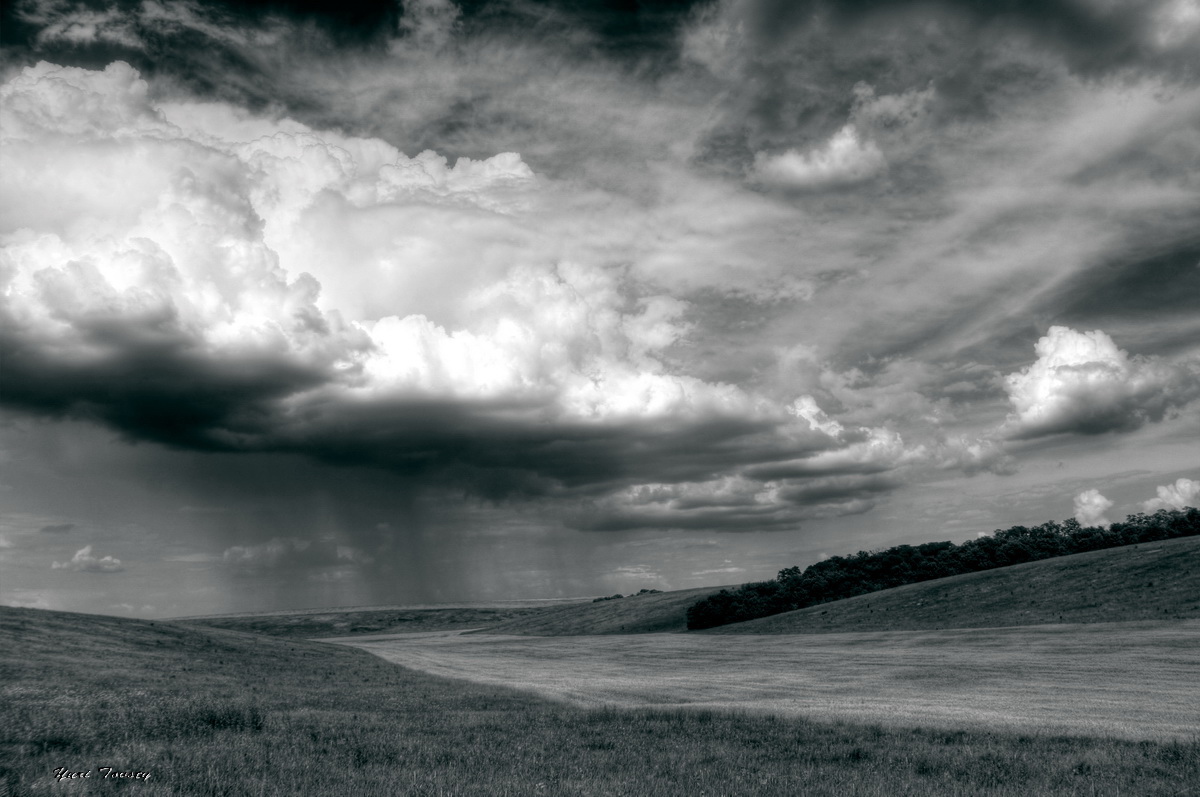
(62, 773)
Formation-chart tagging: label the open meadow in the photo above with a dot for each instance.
(1127, 680)
(209, 711)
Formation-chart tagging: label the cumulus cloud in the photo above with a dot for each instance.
(1082, 383)
(1183, 493)
(578, 305)
(845, 158)
(161, 280)
(1090, 507)
(85, 562)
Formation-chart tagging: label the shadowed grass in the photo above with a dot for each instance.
(209, 712)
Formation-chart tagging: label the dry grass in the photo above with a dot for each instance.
(1132, 680)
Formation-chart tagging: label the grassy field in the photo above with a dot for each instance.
(1136, 582)
(660, 612)
(214, 712)
(1132, 680)
(1146, 582)
(348, 622)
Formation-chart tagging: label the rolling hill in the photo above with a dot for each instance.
(189, 710)
(1149, 581)
(651, 613)
(352, 622)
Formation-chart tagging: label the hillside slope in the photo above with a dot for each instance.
(345, 623)
(1150, 581)
(659, 612)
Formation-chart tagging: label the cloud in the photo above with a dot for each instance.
(845, 158)
(427, 23)
(565, 287)
(845, 475)
(57, 528)
(79, 24)
(29, 599)
(974, 455)
(290, 553)
(130, 608)
(1090, 507)
(84, 562)
(162, 283)
(1180, 495)
(194, 558)
(1082, 383)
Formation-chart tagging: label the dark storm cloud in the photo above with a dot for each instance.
(166, 394)
(499, 452)
(493, 449)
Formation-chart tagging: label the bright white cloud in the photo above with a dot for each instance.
(85, 562)
(215, 244)
(845, 158)
(1183, 493)
(1090, 507)
(1082, 383)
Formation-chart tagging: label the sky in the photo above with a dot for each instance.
(311, 304)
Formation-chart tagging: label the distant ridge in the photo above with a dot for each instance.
(841, 577)
(1147, 581)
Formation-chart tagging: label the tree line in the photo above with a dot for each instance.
(841, 577)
